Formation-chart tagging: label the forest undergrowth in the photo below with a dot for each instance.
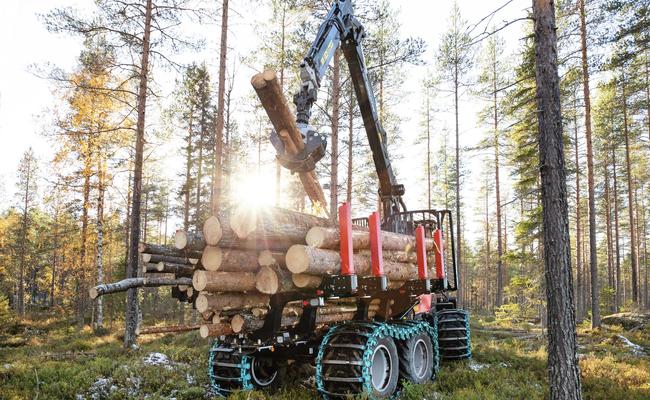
(50, 359)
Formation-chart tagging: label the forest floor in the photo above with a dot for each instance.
(50, 359)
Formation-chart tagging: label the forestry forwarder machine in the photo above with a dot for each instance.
(416, 324)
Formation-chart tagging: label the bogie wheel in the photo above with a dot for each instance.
(454, 335)
(417, 358)
(266, 373)
(355, 359)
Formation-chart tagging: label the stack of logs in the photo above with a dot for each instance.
(243, 257)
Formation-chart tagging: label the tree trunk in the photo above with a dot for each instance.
(187, 240)
(608, 231)
(630, 191)
(131, 319)
(223, 52)
(580, 309)
(187, 188)
(500, 267)
(81, 295)
(334, 171)
(350, 144)
(564, 372)
(99, 322)
(619, 288)
(459, 243)
(156, 249)
(156, 258)
(593, 251)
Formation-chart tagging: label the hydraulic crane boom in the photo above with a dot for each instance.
(341, 29)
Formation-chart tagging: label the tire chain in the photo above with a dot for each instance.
(401, 330)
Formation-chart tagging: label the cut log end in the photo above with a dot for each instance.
(266, 258)
(160, 266)
(146, 257)
(199, 281)
(201, 303)
(316, 237)
(258, 81)
(92, 292)
(267, 281)
(297, 259)
(243, 221)
(180, 239)
(212, 258)
(212, 231)
(237, 323)
(306, 281)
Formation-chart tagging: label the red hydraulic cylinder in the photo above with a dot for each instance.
(438, 241)
(421, 252)
(376, 255)
(345, 226)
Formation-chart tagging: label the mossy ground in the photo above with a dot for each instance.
(51, 359)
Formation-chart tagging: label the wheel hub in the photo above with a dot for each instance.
(262, 371)
(380, 368)
(420, 359)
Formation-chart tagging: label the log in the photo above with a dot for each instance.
(306, 281)
(230, 301)
(310, 260)
(167, 251)
(188, 240)
(182, 270)
(214, 330)
(272, 280)
(217, 281)
(268, 258)
(273, 223)
(156, 258)
(229, 260)
(212, 229)
(166, 329)
(130, 283)
(246, 323)
(329, 238)
(268, 90)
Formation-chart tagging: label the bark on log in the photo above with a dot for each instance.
(273, 223)
(229, 260)
(131, 283)
(166, 329)
(247, 323)
(272, 280)
(208, 315)
(188, 240)
(268, 89)
(329, 238)
(306, 281)
(182, 270)
(230, 301)
(217, 281)
(268, 258)
(215, 330)
(167, 251)
(156, 258)
(310, 260)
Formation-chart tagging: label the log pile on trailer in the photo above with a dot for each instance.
(229, 270)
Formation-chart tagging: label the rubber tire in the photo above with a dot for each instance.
(454, 341)
(390, 388)
(406, 350)
(279, 368)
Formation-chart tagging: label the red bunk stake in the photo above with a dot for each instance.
(345, 225)
(438, 244)
(421, 252)
(376, 256)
